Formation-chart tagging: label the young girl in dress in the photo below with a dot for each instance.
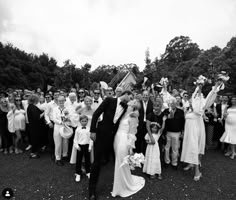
(152, 164)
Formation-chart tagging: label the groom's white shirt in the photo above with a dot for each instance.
(119, 110)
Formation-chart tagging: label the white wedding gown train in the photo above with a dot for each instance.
(125, 184)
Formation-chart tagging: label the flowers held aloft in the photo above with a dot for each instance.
(223, 76)
(164, 81)
(201, 80)
(135, 160)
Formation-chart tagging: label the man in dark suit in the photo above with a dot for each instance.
(221, 105)
(145, 109)
(103, 132)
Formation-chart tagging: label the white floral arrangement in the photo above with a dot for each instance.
(223, 76)
(65, 117)
(135, 160)
(164, 81)
(201, 80)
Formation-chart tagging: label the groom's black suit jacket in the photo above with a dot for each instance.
(105, 129)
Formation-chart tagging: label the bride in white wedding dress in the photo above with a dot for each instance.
(126, 184)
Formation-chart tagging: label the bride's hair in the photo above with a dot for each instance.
(135, 104)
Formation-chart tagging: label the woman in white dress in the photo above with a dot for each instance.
(229, 135)
(16, 122)
(126, 184)
(194, 131)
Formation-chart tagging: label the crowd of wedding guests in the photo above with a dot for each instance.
(36, 120)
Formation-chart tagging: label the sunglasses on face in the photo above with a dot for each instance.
(81, 92)
(96, 93)
(17, 100)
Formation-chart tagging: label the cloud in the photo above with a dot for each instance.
(111, 31)
(5, 15)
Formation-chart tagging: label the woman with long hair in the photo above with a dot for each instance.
(16, 122)
(5, 135)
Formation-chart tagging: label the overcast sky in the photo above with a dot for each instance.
(113, 31)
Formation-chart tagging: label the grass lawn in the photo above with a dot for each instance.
(41, 179)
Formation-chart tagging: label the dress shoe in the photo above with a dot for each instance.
(28, 147)
(188, 167)
(227, 153)
(153, 176)
(34, 155)
(166, 165)
(77, 178)
(92, 197)
(59, 163)
(88, 175)
(197, 178)
(175, 167)
(159, 177)
(66, 158)
(232, 156)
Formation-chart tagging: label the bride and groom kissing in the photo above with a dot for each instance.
(117, 128)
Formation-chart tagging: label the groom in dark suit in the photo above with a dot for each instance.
(103, 132)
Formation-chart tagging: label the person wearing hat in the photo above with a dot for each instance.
(61, 144)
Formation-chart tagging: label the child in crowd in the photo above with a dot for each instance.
(83, 144)
(152, 164)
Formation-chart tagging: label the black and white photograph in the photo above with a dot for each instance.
(118, 99)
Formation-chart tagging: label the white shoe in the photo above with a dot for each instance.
(228, 153)
(77, 178)
(197, 178)
(28, 147)
(88, 175)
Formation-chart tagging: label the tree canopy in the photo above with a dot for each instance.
(182, 62)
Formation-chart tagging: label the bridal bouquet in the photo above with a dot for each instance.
(133, 161)
(164, 81)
